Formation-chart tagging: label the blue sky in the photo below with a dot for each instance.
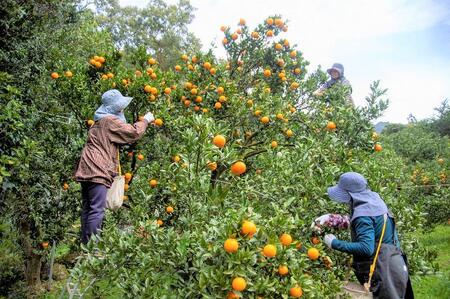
(405, 44)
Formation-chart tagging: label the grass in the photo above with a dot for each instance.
(435, 286)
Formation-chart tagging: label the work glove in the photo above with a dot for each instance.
(318, 93)
(320, 221)
(149, 117)
(328, 239)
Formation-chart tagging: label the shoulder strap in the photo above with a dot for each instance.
(372, 267)
(118, 161)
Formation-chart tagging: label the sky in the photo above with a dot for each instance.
(404, 44)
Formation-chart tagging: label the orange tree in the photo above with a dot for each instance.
(222, 189)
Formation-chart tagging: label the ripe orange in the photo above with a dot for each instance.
(101, 59)
(248, 228)
(217, 105)
(249, 103)
(231, 245)
(207, 65)
(220, 90)
(269, 250)
(280, 116)
(313, 254)
(197, 108)
(298, 245)
(169, 209)
(159, 222)
(222, 99)
(212, 71)
(153, 183)
(296, 292)
(147, 88)
(154, 91)
(140, 157)
(239, 284)
(293, 54)
(315, 240)
(283, 270)
(158, 122)
(279, 22)
(126, 187)
(104, 77)
(269, 21)
(378, 147)
(68, 74)
(295, 85)
(289, 133)
(90, 122)
(219, 140)
(138, 73)
(225, 41)
(65, 186)
(265, 119)
(278, 47)
(44, 245)
(232, 295)
(184, 57)
(153, 76)
(212, 166)
(286, 239)
(331, 126)
(128, 176)
(267, 73)
(286, 43)
(234, 36)
(241, 22)
(293, 109)
(149, 71)
(54, 75)
(238, 168)
(98, 64)
(204, 110)
(167, 90)
(151, 61)
(178, 68)
(194, 59)
(176, 158)
(297, 71)
(223, 28)
(194, 91)
(255, 34)
(269, 33)
(188, 85)
(110, 75)
(274, 144)
(92, 61)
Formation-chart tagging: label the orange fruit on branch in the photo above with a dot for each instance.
(283, 270)
(231, 245)
(269, 250)
(238, 168)
(248, 228)
(239, 284)
(313, 253)
(285, 239)
(219, 140)
(296, 292)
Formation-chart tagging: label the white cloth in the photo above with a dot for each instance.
(149, 117)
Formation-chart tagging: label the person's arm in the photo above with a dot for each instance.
(123, 133)
(364, 244)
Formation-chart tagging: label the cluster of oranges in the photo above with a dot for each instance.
(97, 61)
(249, 229)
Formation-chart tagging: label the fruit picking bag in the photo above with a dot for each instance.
(114, 196)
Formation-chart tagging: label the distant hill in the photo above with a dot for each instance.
(380, 126)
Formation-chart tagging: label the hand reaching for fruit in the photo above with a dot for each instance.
(335, 221)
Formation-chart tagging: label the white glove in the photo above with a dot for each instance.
(328, 239)
(320, 220)
(149, 117)
(318, 92)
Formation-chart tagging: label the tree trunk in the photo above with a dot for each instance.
(33, 265)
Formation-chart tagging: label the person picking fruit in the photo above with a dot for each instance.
(98, 163)
(382, 267)
(336, 73)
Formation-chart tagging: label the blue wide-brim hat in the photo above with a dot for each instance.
(349, 182)
(114, 101)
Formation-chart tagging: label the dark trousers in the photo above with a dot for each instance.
(93, 209)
